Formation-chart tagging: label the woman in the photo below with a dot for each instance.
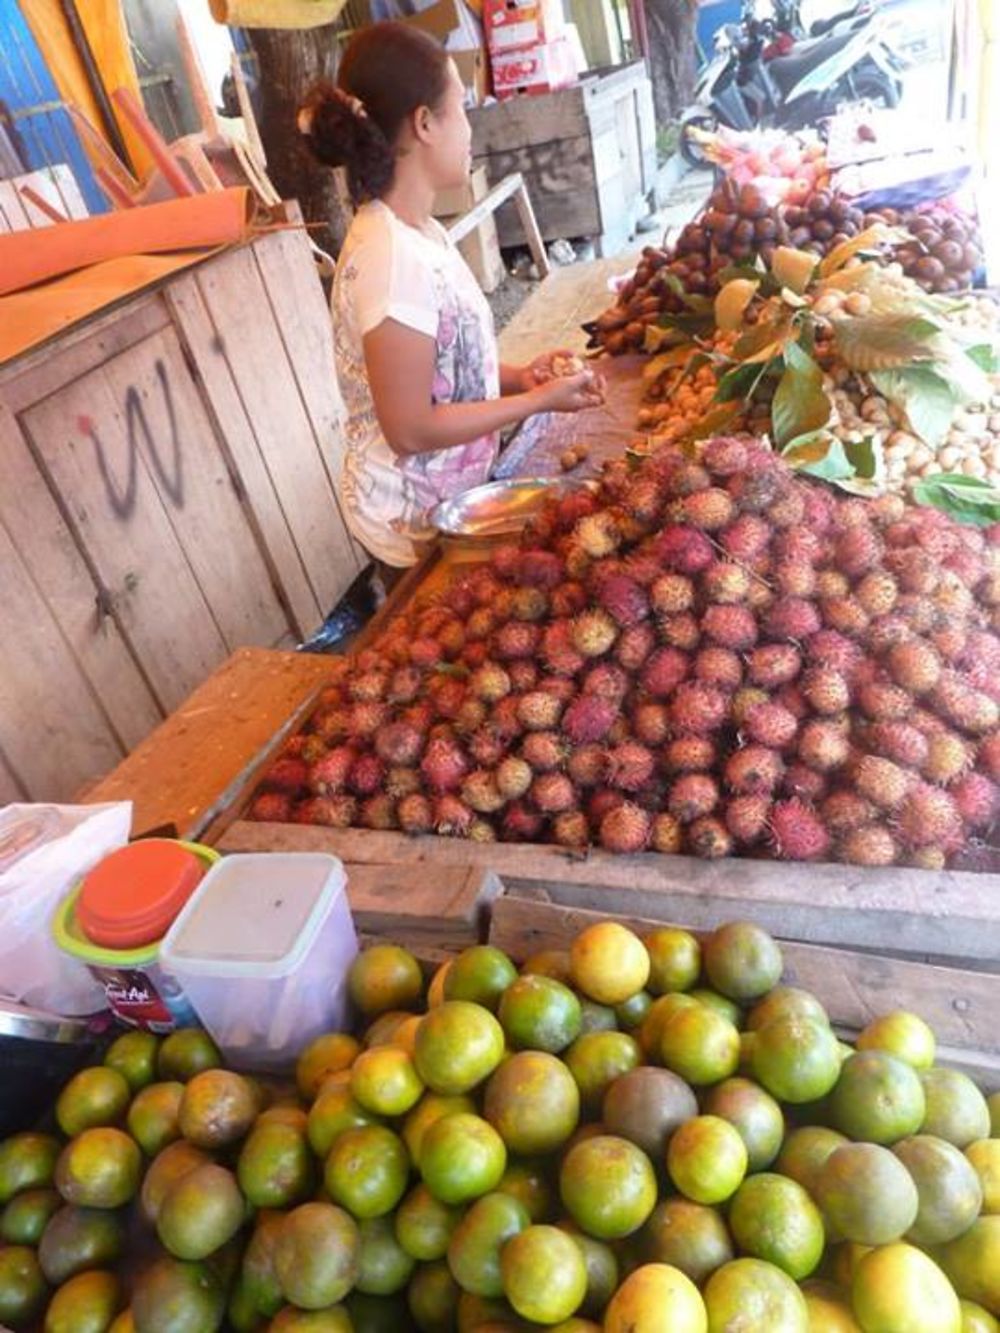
(416, 352)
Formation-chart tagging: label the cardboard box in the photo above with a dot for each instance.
(516, 25)
(481, 248)
(460, 31)
(538, 69)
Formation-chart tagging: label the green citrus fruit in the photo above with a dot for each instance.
(316, 1255)
(899, 1289)
(901, 1034)
(533, 1103)
(544, 1274)
(607, 1186)
(367, 1171)
(23, 1290)
(785, 1002)
(100, 1168)
(829, 1308)
(656, 1298)
(691, 1236)
(91, 1099)
(596, 1059)
(754, 1113)
(461, 1157)
(333, 1113)
(727, 1009)
(27, 1161)
(866, 1194)
(385, 977)
(948, 1190)
(424, 1225)
(755, 1297)
(707, 1159)
(217, 1109)
(674, 960)
(548, 963)
(651, 1029)
(796, 1059)
(955, 1109)
(476, 1243)
(984, 1155)
(275, 1166)
(86, 1303)
(385, 1081)
(24, 1219)
(432, 1106)
(154, 1117)
(384, 1267)
(878, 1098)
(480, 974)
(608, 963)
(977, 1320)
(603, 1272)
(325, 1055)
(631, 1012)
(433, 1298)
(539, 1013)
(804, 1152)
(200, 1212)
(529, 1183)
(700, 1045)
(458, 1045)
(646, 1105)
(773, 1218)
(133, 1054)
(972, 1262)
(186, 1052)
(742, 961)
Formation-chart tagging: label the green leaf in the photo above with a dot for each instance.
(985, 357)
(654, 368)
(716, 421)
(928, 400)
(871, 239)
(740, 382)
(820, 454)
(881, 342)
(658, 336)
(800, 403)
(866, 458)
(967, 499)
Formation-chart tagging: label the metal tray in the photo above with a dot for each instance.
(499, 507)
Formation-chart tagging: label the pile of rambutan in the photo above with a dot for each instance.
(710, 656)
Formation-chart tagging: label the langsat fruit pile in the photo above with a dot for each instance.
(712, 657)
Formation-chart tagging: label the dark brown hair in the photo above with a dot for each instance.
(391, 69)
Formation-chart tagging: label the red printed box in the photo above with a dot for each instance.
(516, 25)
(539, 69)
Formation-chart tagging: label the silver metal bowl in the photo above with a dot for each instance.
(499, 507)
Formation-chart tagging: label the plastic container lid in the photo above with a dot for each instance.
(255, 915)
(133, 896)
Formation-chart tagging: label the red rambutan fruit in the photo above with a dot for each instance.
(444, 765)
(798, 832)
(625, 829)
(273, 807)
(691, 796)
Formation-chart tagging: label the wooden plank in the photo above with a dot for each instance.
(87, 441)
(529, 225)
(488, 205)
(60, 573)
(194, 763)
(12, 208)
(29, 378)
(214, 373)
(303, 318)
(960, 1006)
(237, 302)
(503, 126)
(449, 910)
(69, 740)
(196, 490)
(552, 315)
(949, 913)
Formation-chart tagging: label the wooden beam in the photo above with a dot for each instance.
(511, 187)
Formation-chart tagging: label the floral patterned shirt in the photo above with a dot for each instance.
(390, 270)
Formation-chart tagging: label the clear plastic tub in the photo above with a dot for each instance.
(262, 950)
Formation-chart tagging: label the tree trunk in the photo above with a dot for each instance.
(671, 27)
(290, 62)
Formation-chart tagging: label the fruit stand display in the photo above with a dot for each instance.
(636, 1131)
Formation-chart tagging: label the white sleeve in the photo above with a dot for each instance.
(392, 280)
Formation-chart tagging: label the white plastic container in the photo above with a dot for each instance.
(262, 951)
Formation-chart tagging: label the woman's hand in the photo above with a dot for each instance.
(570, 393)
(558, 364)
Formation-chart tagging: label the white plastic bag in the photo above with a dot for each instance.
(44, 849)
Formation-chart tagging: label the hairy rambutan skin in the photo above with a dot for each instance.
(928, 816)
(826, 690)
(771, 724)
(666, 834)
(724, 456)
(443, 765)
(914, 665)
(746, 538)
(792, 618)
(664, 671)
(589, 718)
(824, 745)
(725, 582)
(900, 742)
(625, 829)
(452, 817)
(882, 782)
(719, 667)
(683, 549)
(328, 775)
(539, 710)
(552, 793)
(967, 709)
(288, 774)
(697, 708)
(871, 845)
(570, 829)
(513, 777)
(399, 743)
(544, 751)
(623, 599)
(748, 818)
(844, 810)
(273, 807)
(774, 664)
(691, 796)
(989, 755)
(709, 838)
(631, 766)
(516, 640)
(606, 680)
(379, 812)
(798, 832)
(753, 770)
(671, 594)
(730, 626)
(634, 646)
(481, 793)
(977, 800)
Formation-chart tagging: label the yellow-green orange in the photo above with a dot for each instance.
(754, 1113)
(773, 1218)
(133, 1054)
(899, 1289)
(804, 1152)
(384, 1267)
(596, 1059)
(700, 1045)
(993, 1106)
(476, 1243)
(544, 1274)
(829, 1308)
(608, 962)
(902, 1034)
(385, 1081)
(656, 1298)
(217, 1109)
(316, 1255)
(607, 1186)
(367, 1170)
(949, 1192)
(878, 1098)
(461, 1157)
(796, 1059)
(548, 963)
(753, 1296)
(333, 1113)
(334, 1319)
(172, 1162)
(529, 1182)
(533, 1103)
(275, 1168)
(432, 1106)
(646, 1105)
(27, 1161)
(785, 1002)
(601, 1263)
(186, 1052)
(175, 1295)
(385, 977)
(866, 1194)
(955, 1109)
(707, 1159)
(458, 1046)
(200, 1213)
(23, 1290)
(480, 974)
(258, 1274)
(94, 1097)
(972, 1262)
(674, 960)
(984, 1155)
(433, 1298)
(24, 1219)
(719, 1003)
(977, 1320)
(742, 961)
(691, 1236)
(325, 1055)
(100, 1168)
(424, 1225)
(154, 1116)
(76, 1239)
(539, 1013)
(87, 1303)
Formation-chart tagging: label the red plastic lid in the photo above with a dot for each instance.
(132, 897)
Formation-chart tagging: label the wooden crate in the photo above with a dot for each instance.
(587, 154)
(168, 496)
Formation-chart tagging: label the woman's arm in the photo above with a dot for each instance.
(400, 366)
(516, 379)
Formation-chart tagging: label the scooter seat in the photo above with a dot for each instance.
(788, 70)
(823, 26)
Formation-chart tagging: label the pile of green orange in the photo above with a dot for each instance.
(647, 1134)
